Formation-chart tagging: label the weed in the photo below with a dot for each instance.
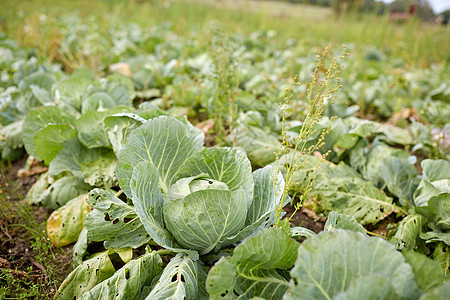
(295, 150)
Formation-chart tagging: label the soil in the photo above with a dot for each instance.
(25, 251)
(305, 218)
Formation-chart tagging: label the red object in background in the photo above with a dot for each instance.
(394, 15)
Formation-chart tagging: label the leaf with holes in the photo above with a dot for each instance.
(114, 222)
(128, 281)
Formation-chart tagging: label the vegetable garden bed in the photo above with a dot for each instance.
(221, 166)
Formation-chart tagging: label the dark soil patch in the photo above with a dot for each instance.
(305, 218)
(30, 266)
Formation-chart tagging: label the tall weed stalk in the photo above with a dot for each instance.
(295, 151)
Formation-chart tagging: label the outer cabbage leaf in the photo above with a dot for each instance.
(96, 166)
(408, 232)
(69, 93)
(49, 140)
(424, 192)
(304, 170)
(12, 134)
(203, 218)
(372, 286)
(256, 269)
(329, 263)
(399, 176)
(268, 189)
(339, 221)
(61, 191)
(128, 281)
(65, 224)
(148, 202)
(352, 196)
(163, 142)
(91, 272)
(438, 210)
(230, 166)
(181, 279)
(98, 102)
(39, 118)
(119, 126)
(435, 169)
(302, 232)
(194, 133)
(114, 222)
(91, 131)
(261, 147)
(79, 249)
(378, 151)
(427, 272)
(438, 293)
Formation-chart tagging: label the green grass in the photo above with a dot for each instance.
(29, 282)
(418, 43)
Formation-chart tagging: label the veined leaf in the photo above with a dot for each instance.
(91, 272)
(95, 166)
(268, 189)
(128, 281)
(399, 176)
(38, 119)
(438, 293)
(329, 263)
(65, 224)
(119, 126)
(257, 268)
(408, 232)
(148, 202)
(427, 272)
(353, 196)
(179, 280)
(49, 140)
(99, 101)
(435, 169)
(69, 92)
(372, 286)
(339, 221)
(114, 222)
(260, 146)
(163, 142)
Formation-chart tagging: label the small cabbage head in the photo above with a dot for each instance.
(191, 198)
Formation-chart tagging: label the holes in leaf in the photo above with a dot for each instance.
(174, 278)
(116, 221)
(107, 218)
(182, 278)
(127, 274)
(126, 220)
(210, 182)
(224, 294)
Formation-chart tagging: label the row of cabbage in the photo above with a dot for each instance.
(197, 203)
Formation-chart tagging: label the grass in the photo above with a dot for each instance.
(34, 24)
(36, 266)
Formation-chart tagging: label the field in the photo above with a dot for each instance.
(221, 150)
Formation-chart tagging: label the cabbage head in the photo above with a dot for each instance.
(190, 198)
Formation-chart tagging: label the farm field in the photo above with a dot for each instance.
(221, 150)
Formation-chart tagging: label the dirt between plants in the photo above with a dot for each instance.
(25, 251)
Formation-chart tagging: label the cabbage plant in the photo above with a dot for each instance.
(190, 198)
